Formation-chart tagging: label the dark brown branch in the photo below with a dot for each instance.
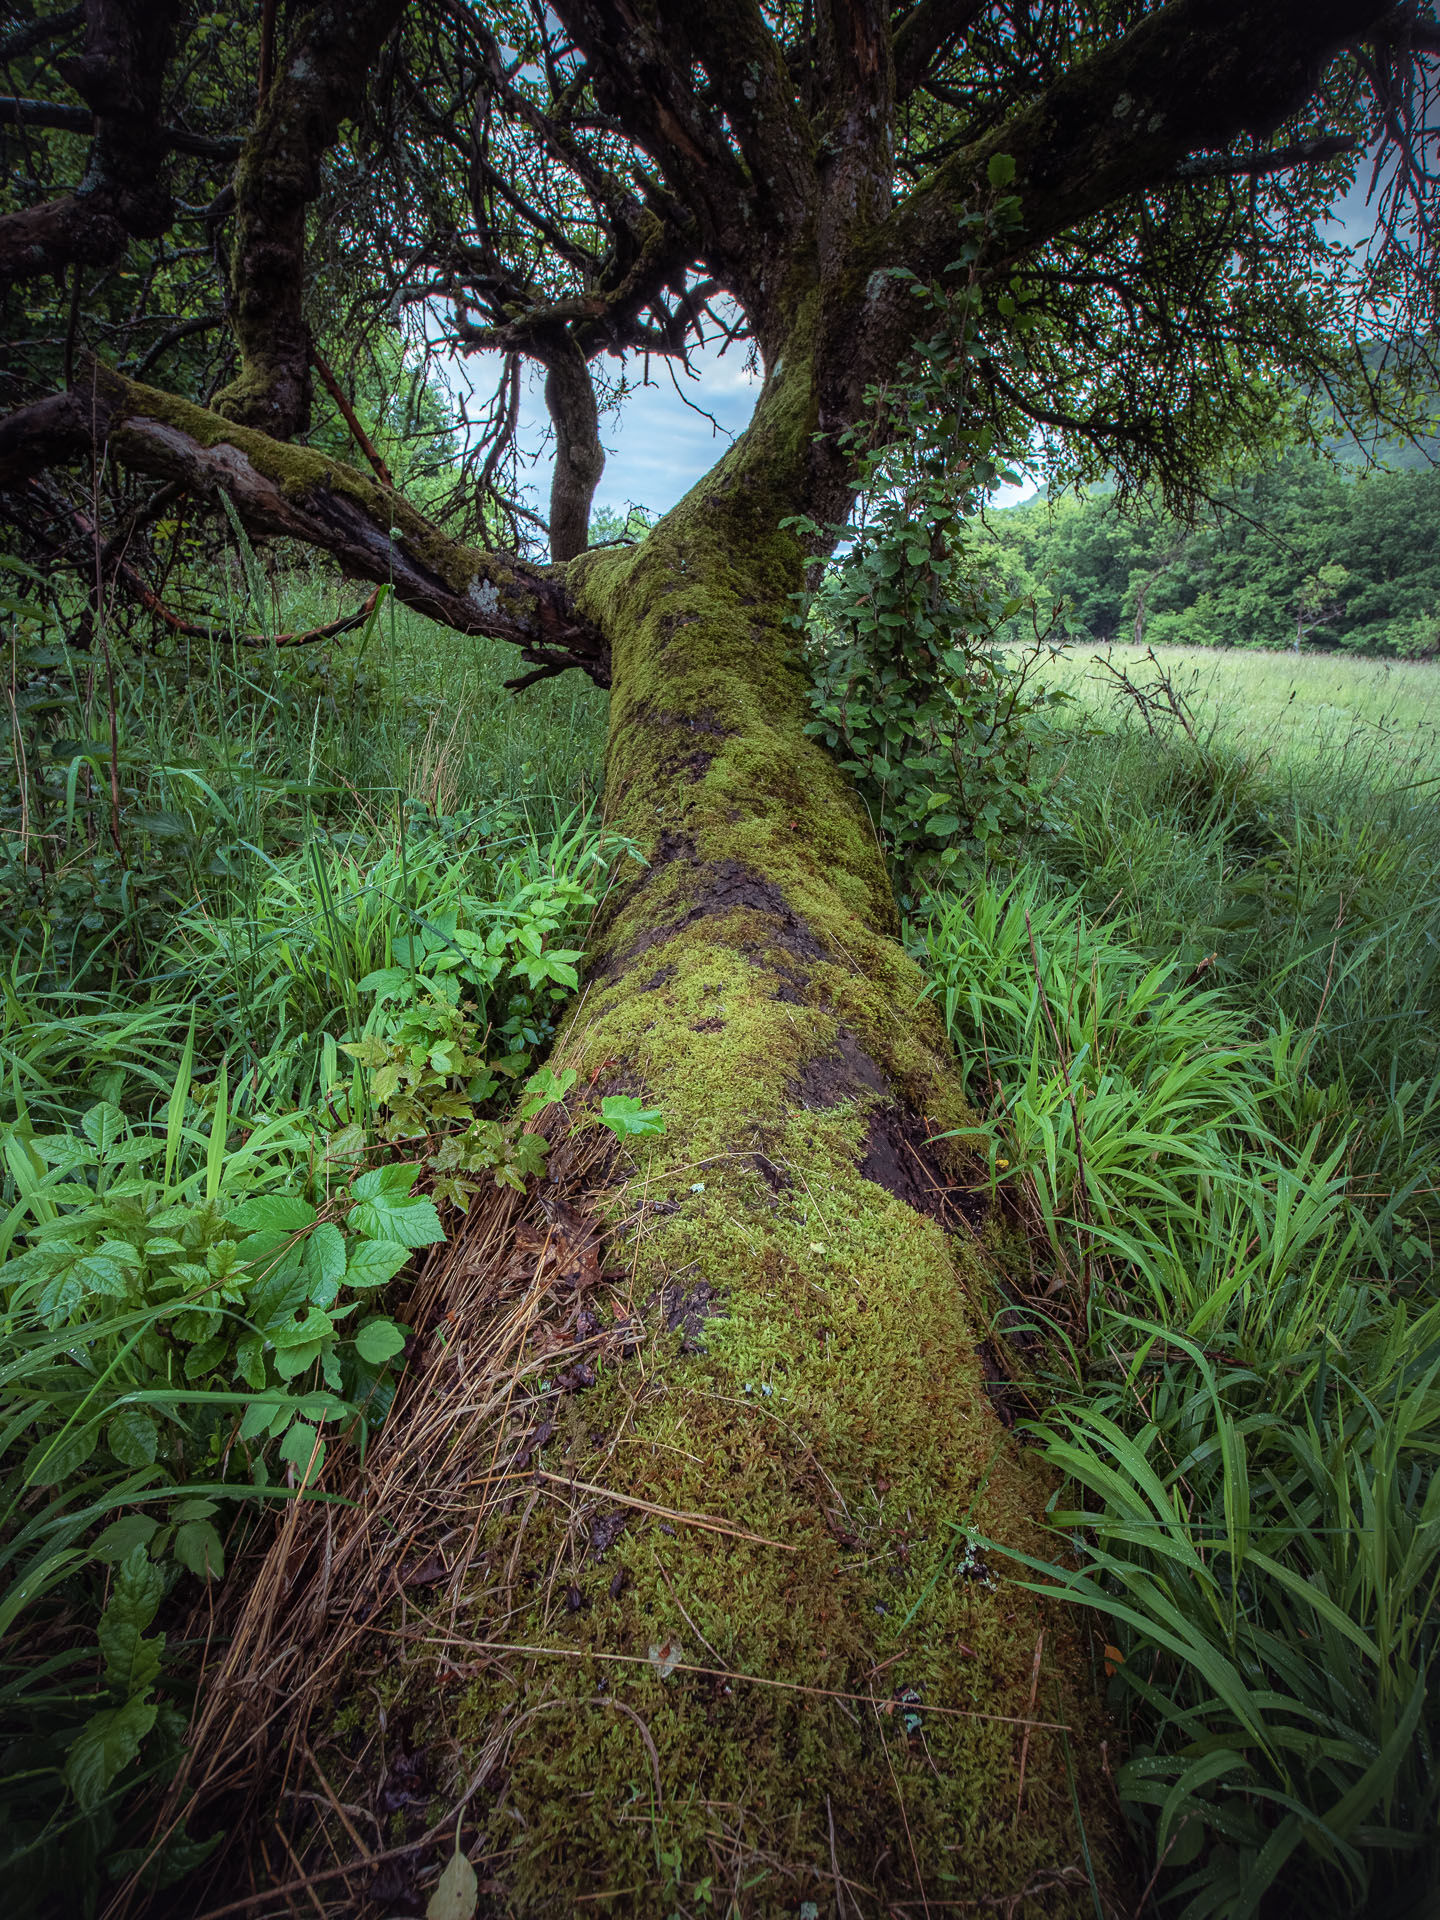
(67, 119)
(119, 75)
(928, 31)
(320, 86)
(22, 40)
(347, 413)
(579, 456)
(195, 630)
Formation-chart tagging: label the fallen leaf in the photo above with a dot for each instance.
(1114, 1658)
(666, 1655)
(456, 1892)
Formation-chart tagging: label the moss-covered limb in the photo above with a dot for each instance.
(330, 56)
(287, 490)
(751, 985)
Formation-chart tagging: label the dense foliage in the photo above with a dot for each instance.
(1307, 552)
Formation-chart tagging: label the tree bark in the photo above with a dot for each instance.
(797, 1219)
(120, 75)
(579, 456)
(320, 87)
(280, 491)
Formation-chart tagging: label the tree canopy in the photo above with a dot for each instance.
(225, 202)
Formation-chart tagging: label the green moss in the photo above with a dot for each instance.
(299, 471)
(838, 1411)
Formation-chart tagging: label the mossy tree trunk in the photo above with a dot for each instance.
(890, 1723)
(822, 1388)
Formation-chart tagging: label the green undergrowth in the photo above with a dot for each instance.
(1226, 1197)
(288, 938)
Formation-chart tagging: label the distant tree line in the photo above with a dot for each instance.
(1307, 553)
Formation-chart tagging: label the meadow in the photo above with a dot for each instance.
(278, 916)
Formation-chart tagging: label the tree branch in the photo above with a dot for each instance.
(320, 86)
(67, 119)
(289, 492)
(119, 75)
(928, 31)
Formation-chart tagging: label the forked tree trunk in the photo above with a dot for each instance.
(751, 985)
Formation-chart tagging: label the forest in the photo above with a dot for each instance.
(732, 1210)
(1306, 554)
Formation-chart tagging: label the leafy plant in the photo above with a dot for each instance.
(910, 683)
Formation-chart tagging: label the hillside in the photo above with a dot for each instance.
(1348, 556)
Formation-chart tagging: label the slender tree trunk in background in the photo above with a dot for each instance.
(579, 456)
(750, 984)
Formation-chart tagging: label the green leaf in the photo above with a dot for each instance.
(291, 1362)
(1001, 169)
(104, 1125)
(104, 1747)
(396, 1214)
(457, 1891)
(623, 1114)
(55, 1457)
(120, 1539)
(132, 1438)
(273, 1213)
(303, 1448)
(198, 1547)
(375, 1262)
(398, 1177)
(325, 1258)
(379, 1341)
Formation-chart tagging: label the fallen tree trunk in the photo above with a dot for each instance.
(881, 1716)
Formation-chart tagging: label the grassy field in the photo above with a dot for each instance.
(1382, 715)
(273, 913)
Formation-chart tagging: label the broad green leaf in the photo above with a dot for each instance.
(273, 1213)
(104, 1747)
(407, 1218)
(457, 1891)
(375, 1262)
(624, 1115)
(198, 1547)
(132, 1438)
(397, 1178)
(121, 1537)
(379, 1341)
(325, 1257)
(104, 1125)
(303, 1448)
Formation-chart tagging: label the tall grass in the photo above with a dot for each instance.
(1201, 1023)
(229, 879)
